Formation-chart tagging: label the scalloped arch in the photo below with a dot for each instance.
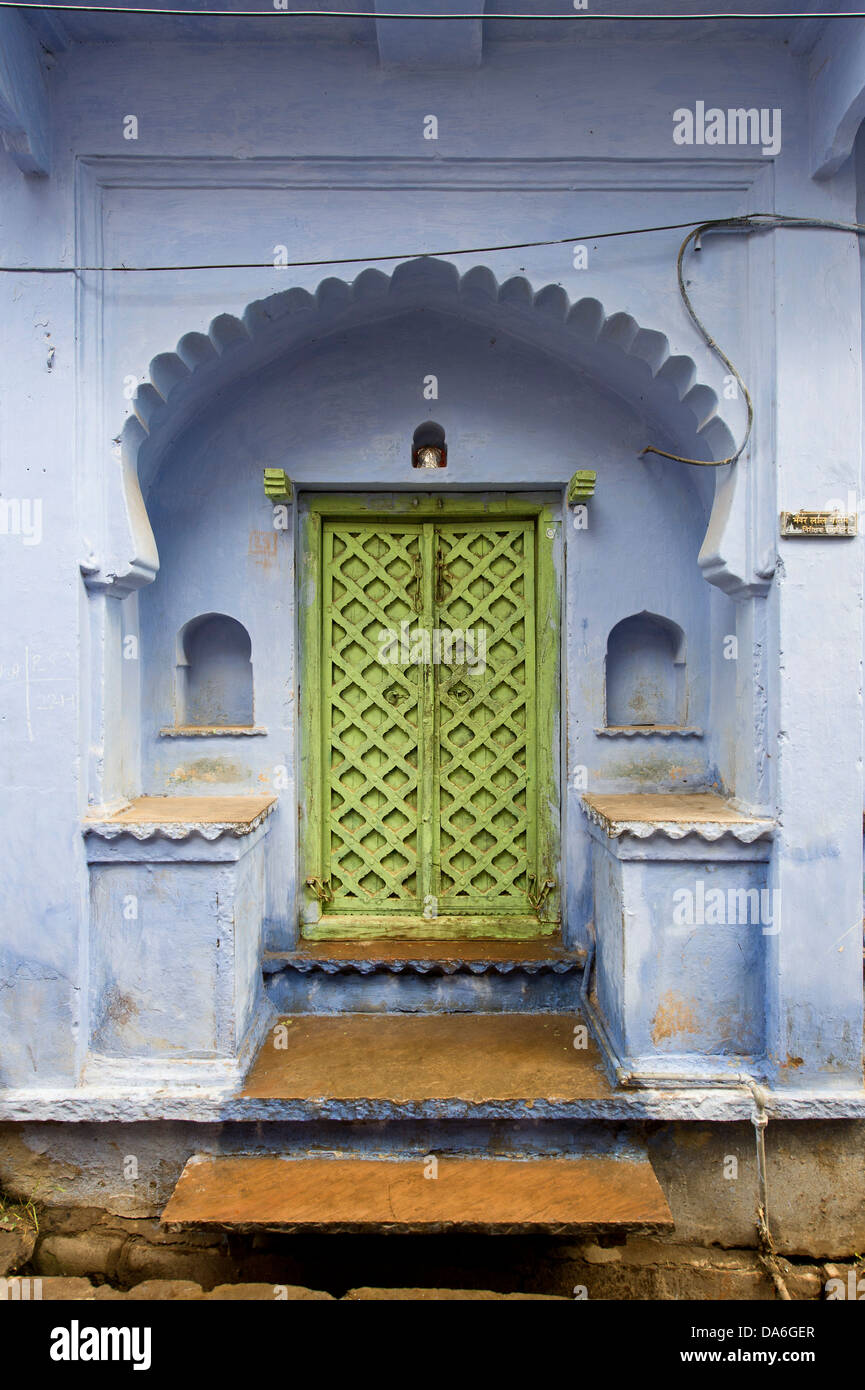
(633, 361)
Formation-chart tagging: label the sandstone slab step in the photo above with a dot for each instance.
(496, 1196)
(405, 1060)
(365, 1295)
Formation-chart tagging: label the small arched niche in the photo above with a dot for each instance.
(428, 446)
(645, 674)
(214, 674)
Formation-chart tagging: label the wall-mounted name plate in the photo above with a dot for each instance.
(839, 525)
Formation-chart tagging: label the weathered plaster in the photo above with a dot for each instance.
(320, 370)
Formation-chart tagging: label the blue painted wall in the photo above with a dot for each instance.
(250, 146)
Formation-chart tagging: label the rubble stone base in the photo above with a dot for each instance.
(85, 1253)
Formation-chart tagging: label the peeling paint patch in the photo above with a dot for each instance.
(116, 1010)
(210, 770)
(119, 1007)
(262, 548)
(655, 770)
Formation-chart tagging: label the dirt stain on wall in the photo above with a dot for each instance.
(210, 770)
(674, 1015)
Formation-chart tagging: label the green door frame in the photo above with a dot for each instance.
(314, 510)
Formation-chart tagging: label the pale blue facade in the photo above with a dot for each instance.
(137, 412)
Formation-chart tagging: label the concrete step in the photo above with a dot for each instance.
(614, 1194)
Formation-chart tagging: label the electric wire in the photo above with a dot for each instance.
(747, 222)
(343, 260)
(753, 221)
(583, 16)
(694, 236)
(767, 1253)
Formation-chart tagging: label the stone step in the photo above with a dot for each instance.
(426, 957)
(423, 976)
(392, 1063)
(614, 1194)
(79, 1290)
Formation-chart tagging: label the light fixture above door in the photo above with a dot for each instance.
(428, 449)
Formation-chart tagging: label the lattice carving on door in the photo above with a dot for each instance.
(372, 717)
(484, 735)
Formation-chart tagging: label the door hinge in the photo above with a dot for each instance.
(537, 896)
(321, 888)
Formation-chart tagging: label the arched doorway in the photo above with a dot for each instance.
(330, 389)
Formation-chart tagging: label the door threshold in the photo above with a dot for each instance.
(338, 926)
(427, 956)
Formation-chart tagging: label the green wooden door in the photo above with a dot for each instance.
(430, 813)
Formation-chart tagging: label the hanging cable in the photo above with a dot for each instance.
(343, 260)
(747, 222)
(730, 223)
(580, 17)
(755, 221)
(750, 222)
(766, 1252)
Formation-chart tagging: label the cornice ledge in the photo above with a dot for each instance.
(649, 731)
(746, 831)
(425, 967)
(176, 830)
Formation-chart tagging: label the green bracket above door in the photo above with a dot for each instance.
(277, 485)
(582, 486)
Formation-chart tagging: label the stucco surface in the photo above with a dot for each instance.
(139, 410)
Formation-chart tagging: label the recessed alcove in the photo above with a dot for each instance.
(645, 677)
(352, 415)
(214, 691)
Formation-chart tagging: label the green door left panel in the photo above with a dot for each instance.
(372, 727)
